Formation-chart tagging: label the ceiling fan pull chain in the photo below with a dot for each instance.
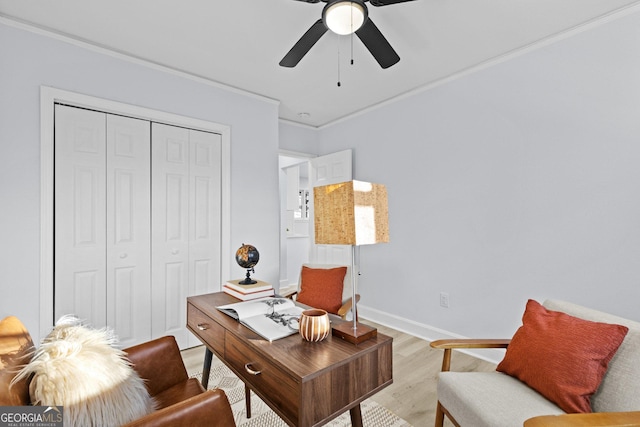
(351, 48)
(339, 62)
(351, 35)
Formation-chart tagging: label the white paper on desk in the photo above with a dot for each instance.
(268, 317)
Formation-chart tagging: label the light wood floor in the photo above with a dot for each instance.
(412, 396)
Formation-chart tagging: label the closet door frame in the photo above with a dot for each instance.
(48, 97)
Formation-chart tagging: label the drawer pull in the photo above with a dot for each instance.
(202, 326)
(250, 370)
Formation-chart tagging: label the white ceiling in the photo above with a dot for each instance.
(240, 42)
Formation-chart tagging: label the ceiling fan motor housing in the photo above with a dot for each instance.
(344, 16)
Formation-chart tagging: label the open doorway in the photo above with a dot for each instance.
(294, 217)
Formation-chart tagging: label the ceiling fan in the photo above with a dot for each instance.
(346, 17)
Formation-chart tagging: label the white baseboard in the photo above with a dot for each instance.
(426, 332)
(282, 284)
(287, 290)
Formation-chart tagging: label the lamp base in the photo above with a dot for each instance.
(355, 336)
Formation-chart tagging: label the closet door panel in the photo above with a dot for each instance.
(170, 231)
(128, 229)
(80, 205)
(205, 213)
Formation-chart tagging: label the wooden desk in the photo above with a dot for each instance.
(306, 384)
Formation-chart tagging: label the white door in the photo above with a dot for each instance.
(205, 214)
(186, 210)
(128, 258)
(205, 179)
(80, 215)
(170, 236)
(102, 232)
(324, 170)
(129, 214)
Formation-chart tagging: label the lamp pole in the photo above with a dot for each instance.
(353, 288)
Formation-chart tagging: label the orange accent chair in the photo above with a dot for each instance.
(319, 282)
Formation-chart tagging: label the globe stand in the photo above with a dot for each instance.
(248, 280)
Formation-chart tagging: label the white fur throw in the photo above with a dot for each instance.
(80, 369)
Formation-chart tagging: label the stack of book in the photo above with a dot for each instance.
(248, 292)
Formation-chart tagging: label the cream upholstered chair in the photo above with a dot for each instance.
(495, 399)
(344, 309)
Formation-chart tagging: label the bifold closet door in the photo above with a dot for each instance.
(128, 229)
(80, 270)
(186, 206)
(102, 221)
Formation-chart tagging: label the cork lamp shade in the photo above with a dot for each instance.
(351, 213)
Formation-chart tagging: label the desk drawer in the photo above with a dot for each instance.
(208, 330)
(283, 390)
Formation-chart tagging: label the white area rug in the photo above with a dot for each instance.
(373, 415)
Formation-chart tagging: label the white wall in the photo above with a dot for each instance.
(29, 60)
(298, 138)
(518, 181)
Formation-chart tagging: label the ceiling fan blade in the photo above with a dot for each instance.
(313, 1)
(384, 2)
(302, 46)
(377, 44)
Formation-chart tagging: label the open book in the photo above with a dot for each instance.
(268, 317)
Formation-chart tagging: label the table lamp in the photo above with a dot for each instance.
(351, 213)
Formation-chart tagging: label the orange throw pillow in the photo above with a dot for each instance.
(562, 357)
(322, 288)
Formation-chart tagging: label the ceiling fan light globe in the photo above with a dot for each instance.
(344, 17)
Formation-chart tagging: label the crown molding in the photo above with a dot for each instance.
(104, 50)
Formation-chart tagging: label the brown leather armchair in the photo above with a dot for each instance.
(181, 400)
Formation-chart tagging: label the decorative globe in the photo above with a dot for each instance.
(247, 256)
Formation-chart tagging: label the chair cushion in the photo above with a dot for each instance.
(79, 368)
(490, 399)
(16, 348)
(562, 357)
(178, 393)
(322, 287)
(159, 362)
(620, 388)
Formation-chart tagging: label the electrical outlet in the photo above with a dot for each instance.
(444, 299)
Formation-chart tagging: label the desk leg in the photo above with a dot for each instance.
(247, 400)
(206, 367)
(356, 416)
